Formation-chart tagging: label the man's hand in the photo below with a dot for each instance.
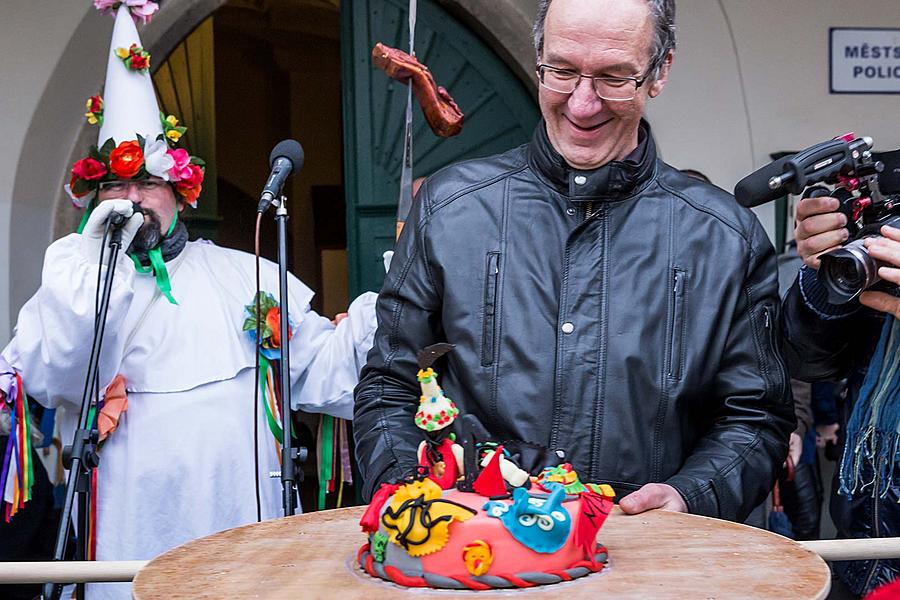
(92, 235)
(819, 228)
(887, 250)
(338, 318)
(826, 433)
(650, 496)
(795, 448)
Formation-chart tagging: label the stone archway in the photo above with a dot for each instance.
(57, 136)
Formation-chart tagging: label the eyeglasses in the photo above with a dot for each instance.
(606, 87)
(120, 188)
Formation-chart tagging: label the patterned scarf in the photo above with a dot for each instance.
(873, 432)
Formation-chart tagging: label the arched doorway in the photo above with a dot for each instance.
(56, 137)
(500, 114)
(277, 73)
(302, 69)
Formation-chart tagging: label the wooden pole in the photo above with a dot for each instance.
(855, 549)
(69, 571)
(109, 571)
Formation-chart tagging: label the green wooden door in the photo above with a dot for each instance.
(499, 111)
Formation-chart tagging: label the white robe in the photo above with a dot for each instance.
(180, 464)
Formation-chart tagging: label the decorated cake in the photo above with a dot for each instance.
(478, 515)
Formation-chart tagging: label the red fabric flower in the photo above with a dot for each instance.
(95, 104)
(190, 194)
(190, 186)
(126, 160)
(139, 62)
(195, 178)
(89, 169)
(273, 321)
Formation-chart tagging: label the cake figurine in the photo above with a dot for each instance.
(439, 452)
(481, 514)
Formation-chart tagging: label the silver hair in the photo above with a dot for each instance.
(663, 14)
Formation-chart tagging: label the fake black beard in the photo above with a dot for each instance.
(149, 235)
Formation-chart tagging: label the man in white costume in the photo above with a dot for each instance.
(180, 464)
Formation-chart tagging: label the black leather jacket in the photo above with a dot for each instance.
(623, 315)
(826, 341)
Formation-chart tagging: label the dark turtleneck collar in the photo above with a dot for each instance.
(171, 246)
(615, 180)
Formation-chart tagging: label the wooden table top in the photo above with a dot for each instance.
(658, 555)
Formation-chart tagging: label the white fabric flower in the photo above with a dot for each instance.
(156, 158)
(77, 202)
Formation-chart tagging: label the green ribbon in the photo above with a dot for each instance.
(158, 266)
(327, 457)
(85, 217)
(274, 426)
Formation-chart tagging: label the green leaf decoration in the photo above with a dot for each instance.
(107, 147)
(81, 187)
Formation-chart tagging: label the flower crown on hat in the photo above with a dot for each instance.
(133, 143)
(136, 159)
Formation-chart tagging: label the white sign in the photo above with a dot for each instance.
(864, 60)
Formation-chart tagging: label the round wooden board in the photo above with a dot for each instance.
(658, 555)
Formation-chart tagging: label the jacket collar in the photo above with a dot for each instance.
(615, 180)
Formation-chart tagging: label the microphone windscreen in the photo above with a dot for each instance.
(754, 189)
(289, 149)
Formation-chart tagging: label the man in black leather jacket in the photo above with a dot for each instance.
(602, 304)
(828, 341)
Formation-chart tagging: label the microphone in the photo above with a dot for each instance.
(118, 220)
(755, 188)
(286, 157)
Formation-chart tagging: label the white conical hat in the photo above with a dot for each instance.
(129, 102)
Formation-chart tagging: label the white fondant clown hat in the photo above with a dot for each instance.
(129, 101)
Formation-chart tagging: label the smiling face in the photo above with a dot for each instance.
(597, 37)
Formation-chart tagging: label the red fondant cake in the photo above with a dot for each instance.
(473, 517)
(531, 537)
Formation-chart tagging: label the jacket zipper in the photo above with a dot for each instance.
(676, 337)
(770, 337)
(875, 526)
(597, 425)
(491, 278)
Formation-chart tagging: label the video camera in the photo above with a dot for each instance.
(867, 184)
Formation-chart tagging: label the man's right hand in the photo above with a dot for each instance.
(92, 234)
(820, 228)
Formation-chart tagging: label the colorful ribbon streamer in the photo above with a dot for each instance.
(17, 472)
(333, 455)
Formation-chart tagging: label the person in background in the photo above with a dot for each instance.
(856, 341)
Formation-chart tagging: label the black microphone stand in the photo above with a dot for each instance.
(289, 454)
(82, 454)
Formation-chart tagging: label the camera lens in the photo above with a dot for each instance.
(847, 271)
(846, 274)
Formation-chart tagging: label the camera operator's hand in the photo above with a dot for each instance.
(887, 250)
(819, 228)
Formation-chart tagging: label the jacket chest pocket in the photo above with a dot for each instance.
(677, 323)
(489, 317)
